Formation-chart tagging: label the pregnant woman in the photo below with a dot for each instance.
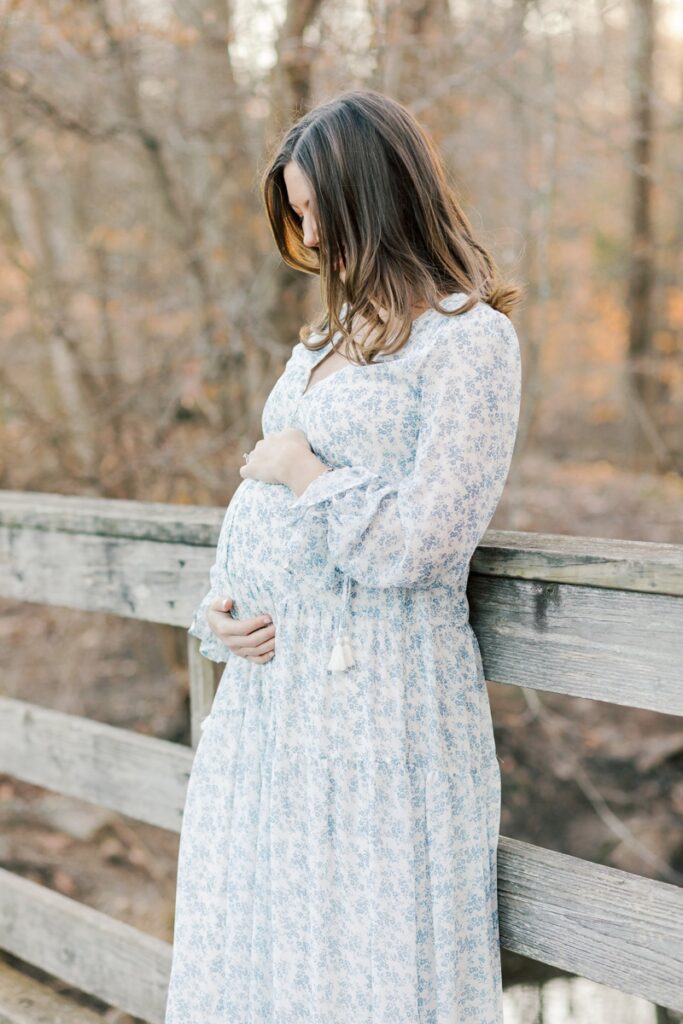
(337, 860)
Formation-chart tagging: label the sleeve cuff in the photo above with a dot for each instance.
(210, 646)
(327, 485)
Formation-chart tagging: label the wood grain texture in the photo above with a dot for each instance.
(155, 581)
(611, 926)
(619, 646)
(202, 687)
(560, 558)
(141, 776)
(587, 561)
(111, 517)
(104, 957)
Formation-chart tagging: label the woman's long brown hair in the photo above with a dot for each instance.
(382, 203)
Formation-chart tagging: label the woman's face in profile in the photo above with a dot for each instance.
(302, 200)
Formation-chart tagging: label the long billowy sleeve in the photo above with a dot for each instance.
(211, 646)
(423, 528)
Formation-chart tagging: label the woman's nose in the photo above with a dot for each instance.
(310, 236)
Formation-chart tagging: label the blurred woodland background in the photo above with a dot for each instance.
(145, 315)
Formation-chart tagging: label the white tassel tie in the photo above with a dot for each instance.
(342, 653)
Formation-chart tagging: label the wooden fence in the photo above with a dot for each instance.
(589, 617)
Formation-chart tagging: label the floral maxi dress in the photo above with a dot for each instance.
(337, 859)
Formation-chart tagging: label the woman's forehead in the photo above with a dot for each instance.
(296, 181)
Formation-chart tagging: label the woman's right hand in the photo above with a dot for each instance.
(253, 639)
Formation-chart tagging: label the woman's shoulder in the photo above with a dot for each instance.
(481, 319)
(481, 332)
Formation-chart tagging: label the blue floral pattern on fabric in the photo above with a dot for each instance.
(337, 860)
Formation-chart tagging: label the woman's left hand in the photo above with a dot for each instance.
(274, 458)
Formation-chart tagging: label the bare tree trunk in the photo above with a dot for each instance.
(290, 90)
(178, 202)
(535, 215)
(521, 201)
(418, 37)
(641, 426)
(68, 387)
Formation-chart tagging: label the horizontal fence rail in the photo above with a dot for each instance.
(100, 955)
(578, 616)
(587, 617)
(607, 925)
(140, 776)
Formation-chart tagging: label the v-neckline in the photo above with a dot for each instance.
(350, 365)
(307, 390)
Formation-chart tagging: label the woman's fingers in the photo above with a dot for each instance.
(254, 652)
(261, 657)
(258, 645)
(255, 638)
(248, 638)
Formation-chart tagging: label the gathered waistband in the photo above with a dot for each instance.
(442, 603)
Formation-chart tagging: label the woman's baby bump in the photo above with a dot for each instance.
(255, 547)
(257, 543)
(267, 553)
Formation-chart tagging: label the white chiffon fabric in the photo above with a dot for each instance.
(337, 859)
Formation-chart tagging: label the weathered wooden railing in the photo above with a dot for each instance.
(588, 617)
